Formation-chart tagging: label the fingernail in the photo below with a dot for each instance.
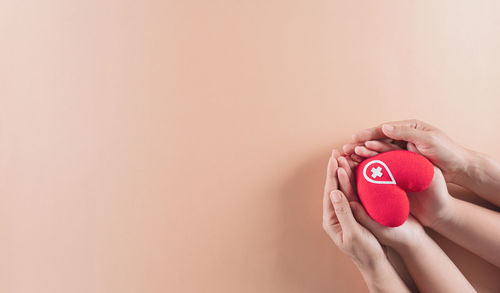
(387, 127)
(336, 197)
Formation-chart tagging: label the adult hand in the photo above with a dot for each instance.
(420, 137)
(339, 223)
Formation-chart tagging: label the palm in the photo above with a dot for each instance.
(396, 236)
(444, 153)
(427, 205)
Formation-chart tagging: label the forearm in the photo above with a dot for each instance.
(399, 266)
(481, 174)
(431, 269)
(473, 227)
(380, 276)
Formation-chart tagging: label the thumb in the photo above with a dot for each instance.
(412, 148)
(403, 132)
(362, 217)
(342, 210)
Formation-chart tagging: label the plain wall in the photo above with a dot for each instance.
(181, 146)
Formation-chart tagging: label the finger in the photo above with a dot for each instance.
(364, 152)
(343, 211)
(330, 184)
(368, 134)
(348, 149)
(400, 143)
(328, 211)
(345, 165)
(412, 148)
(406, 133)
(356, 158)
(363, 218)
(336, 154)
(345, 184)
(377, 133)
(352, 164)
(380, 146)
(331, 173)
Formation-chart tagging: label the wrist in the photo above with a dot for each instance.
(445, 216)
(419, 237)
(370, 269)
(441, 214)
(382, 277)
(466, 168)
(370, 262)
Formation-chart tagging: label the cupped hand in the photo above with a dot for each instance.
(428, 206)
(339, 223)
(395, 237)
(399, 238)
(432, 204)
(430, 141)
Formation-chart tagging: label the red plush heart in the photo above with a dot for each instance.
(383, 181)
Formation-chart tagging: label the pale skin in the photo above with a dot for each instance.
(428, 265)
(353, 239)
(467, 168)
(462, 222)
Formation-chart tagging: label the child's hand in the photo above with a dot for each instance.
(432, 204)
(428, 206)
(400, 238)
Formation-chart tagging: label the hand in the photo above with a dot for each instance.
(351, 237)
(339, 223)
(427, 264)
(432, 204)
(428, 206)
(400, 238)
(422, 137)
(458, 220)
(395, 237)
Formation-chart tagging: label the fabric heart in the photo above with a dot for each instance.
(383, 181)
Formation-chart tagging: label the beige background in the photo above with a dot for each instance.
(180, 146)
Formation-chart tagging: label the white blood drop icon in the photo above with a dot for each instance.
(378, 170)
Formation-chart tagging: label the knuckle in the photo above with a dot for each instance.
(341, 209)
(421, 125)
(414, 123)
